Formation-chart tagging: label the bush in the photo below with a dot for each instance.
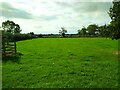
(19, 37)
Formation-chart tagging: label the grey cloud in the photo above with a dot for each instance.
(80, 11)
(65, 4)
(86, 7)
(47, 17)
(9, 11)
(92, 6)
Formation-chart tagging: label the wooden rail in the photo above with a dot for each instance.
(9, 49)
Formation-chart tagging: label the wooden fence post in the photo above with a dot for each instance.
(3, 46)
(15, 46)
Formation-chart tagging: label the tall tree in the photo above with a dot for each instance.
(103, 31)
(10, 26)
(32, 33)
(114, 13)
(83, 31)
(63, 31)
(92, 29)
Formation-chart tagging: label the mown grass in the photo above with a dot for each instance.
(63, 63)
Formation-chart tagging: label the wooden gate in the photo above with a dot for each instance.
(8, 48)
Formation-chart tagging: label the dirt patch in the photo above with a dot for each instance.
(116, 52)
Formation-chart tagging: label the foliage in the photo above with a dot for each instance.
(63, 31)
(19, 37)
(10, 26)
(83, 31)
(92, 29)
(114, 14)
(40, 35)
(11, 32)
(32, 33)
(104, 31)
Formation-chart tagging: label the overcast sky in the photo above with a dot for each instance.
(48, 16)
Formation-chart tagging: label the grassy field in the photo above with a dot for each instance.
(63, 63)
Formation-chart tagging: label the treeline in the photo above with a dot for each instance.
(19, 37)
(11, 32)
(112, 30)
(94, 30)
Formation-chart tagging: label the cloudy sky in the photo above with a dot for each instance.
(48, 16)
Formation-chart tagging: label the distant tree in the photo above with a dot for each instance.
(92, 29)
(114, 13)
(78, 32)
(32, 33)
(40, 35)
(82, 32)
(103, 31)
(10, 26)
(63, 31)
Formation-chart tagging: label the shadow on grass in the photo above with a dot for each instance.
(15, 58)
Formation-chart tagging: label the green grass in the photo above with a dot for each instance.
(63, 63)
